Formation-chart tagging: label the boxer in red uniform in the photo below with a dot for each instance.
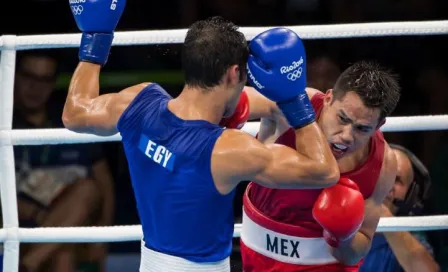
(325, 229)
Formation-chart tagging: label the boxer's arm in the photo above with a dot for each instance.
(352, 251)
(262, 107)
(238, 156)
(85, 111)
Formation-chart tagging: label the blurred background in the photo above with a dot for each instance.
(95, 185)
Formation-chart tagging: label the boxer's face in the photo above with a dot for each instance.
(403, 180)
(347, 123)
(34, 82)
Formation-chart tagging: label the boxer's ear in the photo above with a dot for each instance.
(381, 123)
(328, 98)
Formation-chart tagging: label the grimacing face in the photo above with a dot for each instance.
(347, 123)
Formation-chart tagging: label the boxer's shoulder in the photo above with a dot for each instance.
(135, 89)
(237, 156)
(143, 93)
(148, 87)
(389, 167)
(235, 144)
(388, 173)
(133, 104)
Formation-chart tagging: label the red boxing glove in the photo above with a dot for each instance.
(340, 211)
(240, 115)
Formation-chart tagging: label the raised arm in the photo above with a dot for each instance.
(262, 107)
(86, 111)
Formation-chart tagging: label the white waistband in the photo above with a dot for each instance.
(152, 261)
(285, 248)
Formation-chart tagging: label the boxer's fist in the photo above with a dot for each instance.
(277, 64)
(276, 68)
(97, 19)
(97, 16)
(239, 116)
(340, 211)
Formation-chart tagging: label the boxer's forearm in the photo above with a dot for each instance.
(84, 87)
(351, 252)
(410, 253)
(311, 142)
(259, 105)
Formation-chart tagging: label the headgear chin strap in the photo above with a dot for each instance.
(419, 189)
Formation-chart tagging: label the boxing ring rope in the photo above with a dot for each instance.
(177, 35)
(134, 232)
(64, 136)
(12, 235)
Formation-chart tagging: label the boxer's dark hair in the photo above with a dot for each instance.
(210, 48)
(376, 86)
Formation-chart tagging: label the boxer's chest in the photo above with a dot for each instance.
(364, 174)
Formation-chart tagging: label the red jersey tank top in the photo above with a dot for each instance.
(295, 206)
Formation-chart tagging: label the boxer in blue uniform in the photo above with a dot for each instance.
(183, 164)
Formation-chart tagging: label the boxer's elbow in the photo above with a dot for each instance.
(74, 117)
(74, 122)
(331, 169)
(332, 173)
(327, 173)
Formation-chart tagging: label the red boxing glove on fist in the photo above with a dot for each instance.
(240, 115)
(340, 211)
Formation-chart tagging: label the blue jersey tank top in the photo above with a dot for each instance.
(181, 212)
(380, 257)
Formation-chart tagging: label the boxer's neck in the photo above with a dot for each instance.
(198, 104)
(354, 160)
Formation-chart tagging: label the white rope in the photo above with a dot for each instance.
(64, 136)
(178, 35)
(134, 232)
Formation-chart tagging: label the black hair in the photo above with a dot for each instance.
(210, 48)
(376, 86)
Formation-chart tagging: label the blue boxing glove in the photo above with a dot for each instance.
(97, 19)
(277, 69)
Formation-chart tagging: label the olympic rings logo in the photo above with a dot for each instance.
(293, 76)
(77, 10)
